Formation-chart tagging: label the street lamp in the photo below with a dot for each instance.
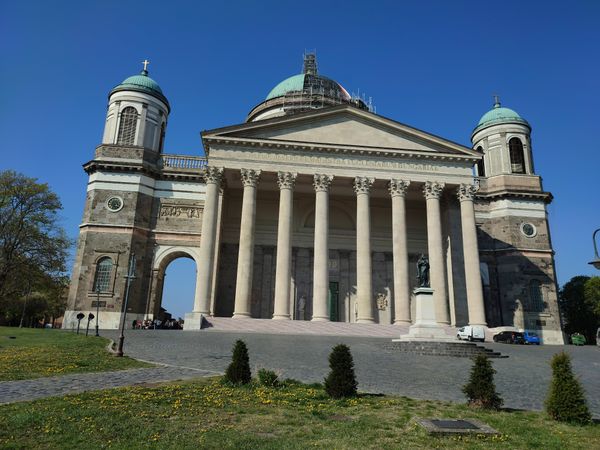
(596, 261)
(97, 307)
(130, 276)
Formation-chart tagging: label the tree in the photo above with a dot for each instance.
(238, 372)
(341, 381)
(591, 292)
(33, 245)
(577, 310)
(481, 390)
(566, 400)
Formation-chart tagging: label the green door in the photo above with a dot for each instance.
(333, 301)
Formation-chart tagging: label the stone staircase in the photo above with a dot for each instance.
(457, 349)
(303, 327)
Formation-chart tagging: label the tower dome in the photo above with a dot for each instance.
(303, 92)
(497, 115)
(141, 83)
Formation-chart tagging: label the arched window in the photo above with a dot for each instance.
(480, 164)
(161, 142)
(536, 299)
(517, 159)
(129, 117)
(103, 271)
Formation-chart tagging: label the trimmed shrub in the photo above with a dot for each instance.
(238, 371)
(481, 390)
(566, 399)
(341, 381)
(268, 378)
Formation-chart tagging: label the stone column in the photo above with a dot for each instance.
(283, 271)
(433, 191)
(243, 286)
(212, 176)
(475, 302)
(321, 184)
(398, 190)
(364, 275)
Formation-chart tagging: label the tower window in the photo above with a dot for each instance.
(103, 271)
(480, 164)
(161, 142)
(536, 300)
(128, 126)
(517, 159)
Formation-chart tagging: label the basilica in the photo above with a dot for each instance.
(315, 208)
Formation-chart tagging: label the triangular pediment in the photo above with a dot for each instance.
(343, 126)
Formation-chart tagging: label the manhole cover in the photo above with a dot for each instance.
(456, 426)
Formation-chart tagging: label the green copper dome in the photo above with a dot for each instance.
(310, 83)
(497, 115)
(141, 83)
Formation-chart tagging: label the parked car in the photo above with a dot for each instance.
(509, 337)
(471, 333)
(578, 339)
(530, 337)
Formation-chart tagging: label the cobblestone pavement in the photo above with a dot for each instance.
(522, 379)
(23, 390)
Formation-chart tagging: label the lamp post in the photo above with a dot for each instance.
(596, 261)
(130, 276)
(97, 308)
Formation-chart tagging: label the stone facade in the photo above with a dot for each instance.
(320, 215)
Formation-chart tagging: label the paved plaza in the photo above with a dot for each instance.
(522, 378)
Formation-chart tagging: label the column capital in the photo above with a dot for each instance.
(433, 189)
(322, 182)
(213, 174)
(398, 188)
(362, 185)
(466, 192)
(286, 180)
(250, 177)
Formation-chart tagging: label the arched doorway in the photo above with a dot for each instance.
(174, 284)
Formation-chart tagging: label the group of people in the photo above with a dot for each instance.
(157, 324)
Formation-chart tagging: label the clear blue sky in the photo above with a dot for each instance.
(431, 65)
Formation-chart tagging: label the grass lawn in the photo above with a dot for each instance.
(206, 414)
(39, 353)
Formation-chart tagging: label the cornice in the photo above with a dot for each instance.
(546, 196)
(95, 165)
(298, 146)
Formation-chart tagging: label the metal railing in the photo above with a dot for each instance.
(182, 162)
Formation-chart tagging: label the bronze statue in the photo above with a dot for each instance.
(423, 271)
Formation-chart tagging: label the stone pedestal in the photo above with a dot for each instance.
(426, 327)
(193, 321)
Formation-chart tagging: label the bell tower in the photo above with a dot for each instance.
(517, 260)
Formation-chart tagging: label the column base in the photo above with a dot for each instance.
(320, 319)
(403, 322)
(365, 321)
(478, 324)
(241, 316)
(281, 317)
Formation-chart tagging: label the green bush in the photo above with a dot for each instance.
(341, 381)
(566, 399)
(238, 371)
(481, 390)
(268, 378)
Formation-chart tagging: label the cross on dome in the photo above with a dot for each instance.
(145, 62)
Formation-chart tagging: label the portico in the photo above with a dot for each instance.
(288, 198)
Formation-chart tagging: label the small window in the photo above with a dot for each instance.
(517, 158)
(480, 164)
(535, 296)
(103, 271)
(128, 126)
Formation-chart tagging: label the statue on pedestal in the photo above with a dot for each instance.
(423, 271)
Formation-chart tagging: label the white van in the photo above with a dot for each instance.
(471, 333)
